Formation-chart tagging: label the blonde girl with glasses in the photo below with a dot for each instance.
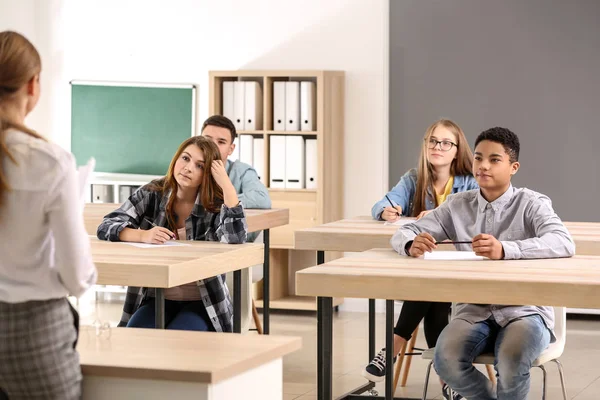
(445, 167)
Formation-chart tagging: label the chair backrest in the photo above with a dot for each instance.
(560, 326)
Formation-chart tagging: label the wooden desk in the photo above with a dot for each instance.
(257, 220)
(164, 267)
(381, 273)
(157, 364)
(363, 233)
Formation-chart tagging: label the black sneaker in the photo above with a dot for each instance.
(375, 371)
(446, 393)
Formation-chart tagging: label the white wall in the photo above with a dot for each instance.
(181, 40)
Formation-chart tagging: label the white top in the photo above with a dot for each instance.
(45, 251)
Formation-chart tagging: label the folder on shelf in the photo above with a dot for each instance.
(252, 106)
(294, 162)
(307, 106)
(235, 155)
(238, 105)
(277, 162)
(246, 149)
(292, 106)
(311, 163)
(279, 106)
(259, 158)
(227, 110)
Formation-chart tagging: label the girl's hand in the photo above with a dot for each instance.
(391, 214)
(157, 235)
(218, 172)
(422, 214)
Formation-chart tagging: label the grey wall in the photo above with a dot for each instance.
(532, 66)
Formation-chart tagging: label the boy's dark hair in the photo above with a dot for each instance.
(221, 122)
(505, 137)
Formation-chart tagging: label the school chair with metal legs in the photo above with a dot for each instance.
(551, 354)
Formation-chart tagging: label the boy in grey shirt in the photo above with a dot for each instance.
(501, 222)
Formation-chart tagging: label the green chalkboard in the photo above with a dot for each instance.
(130, 129)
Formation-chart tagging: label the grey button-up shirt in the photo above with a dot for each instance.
(521, 219)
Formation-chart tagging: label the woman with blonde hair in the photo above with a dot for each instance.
(445, 167)
(194, 201)
(45, 249)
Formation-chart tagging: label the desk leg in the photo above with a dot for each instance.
(389, 349)
(324, 348)
(237, 301)
(266, 282)
(159, 309)
(371, 329)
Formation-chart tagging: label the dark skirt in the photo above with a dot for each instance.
(37, 350)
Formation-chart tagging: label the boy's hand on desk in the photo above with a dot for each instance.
(391, 214)
(488, 246)
(157, 235)
(423, 242)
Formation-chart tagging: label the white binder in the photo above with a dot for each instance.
(311, 163)
(238, 105)
(228, 100)
(277, 162)
(307, 106)
(246, 149)
(235, 155)
(292, 106)
(259, 158)
(252, 106)
(279, 106)
(294, 162)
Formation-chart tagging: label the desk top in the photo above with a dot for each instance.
(363, 233)
(383, 274)
(119, 263)
(257, 219)
(200, 357)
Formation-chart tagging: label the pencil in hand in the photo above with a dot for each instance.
(459, 242)
(154, 225)
(392, 204)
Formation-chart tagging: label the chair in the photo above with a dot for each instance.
(408, 351)
(551, 354)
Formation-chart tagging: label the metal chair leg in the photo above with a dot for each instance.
(544, 381)
(427, 380)
(562, 378)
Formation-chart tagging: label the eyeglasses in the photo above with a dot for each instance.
(445, 145)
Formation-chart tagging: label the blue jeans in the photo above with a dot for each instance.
(179, 315)
(515, 346)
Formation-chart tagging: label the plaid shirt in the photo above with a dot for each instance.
(228, 226)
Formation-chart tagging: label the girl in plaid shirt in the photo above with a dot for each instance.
(194, 201)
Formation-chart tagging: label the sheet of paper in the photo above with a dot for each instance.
(453, 255)
(400, 222)
(156, 246)
(84, 174)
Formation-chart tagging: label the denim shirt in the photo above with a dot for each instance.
(250, 190)
(522, 220)
(404, 192)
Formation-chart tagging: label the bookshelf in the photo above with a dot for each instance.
(308, 207)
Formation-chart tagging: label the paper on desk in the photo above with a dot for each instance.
(84, 174)
(453, 255)
(151, 246)
(400, 222)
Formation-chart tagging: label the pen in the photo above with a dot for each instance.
(154, 225)
(392, 204)
(469, 242)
